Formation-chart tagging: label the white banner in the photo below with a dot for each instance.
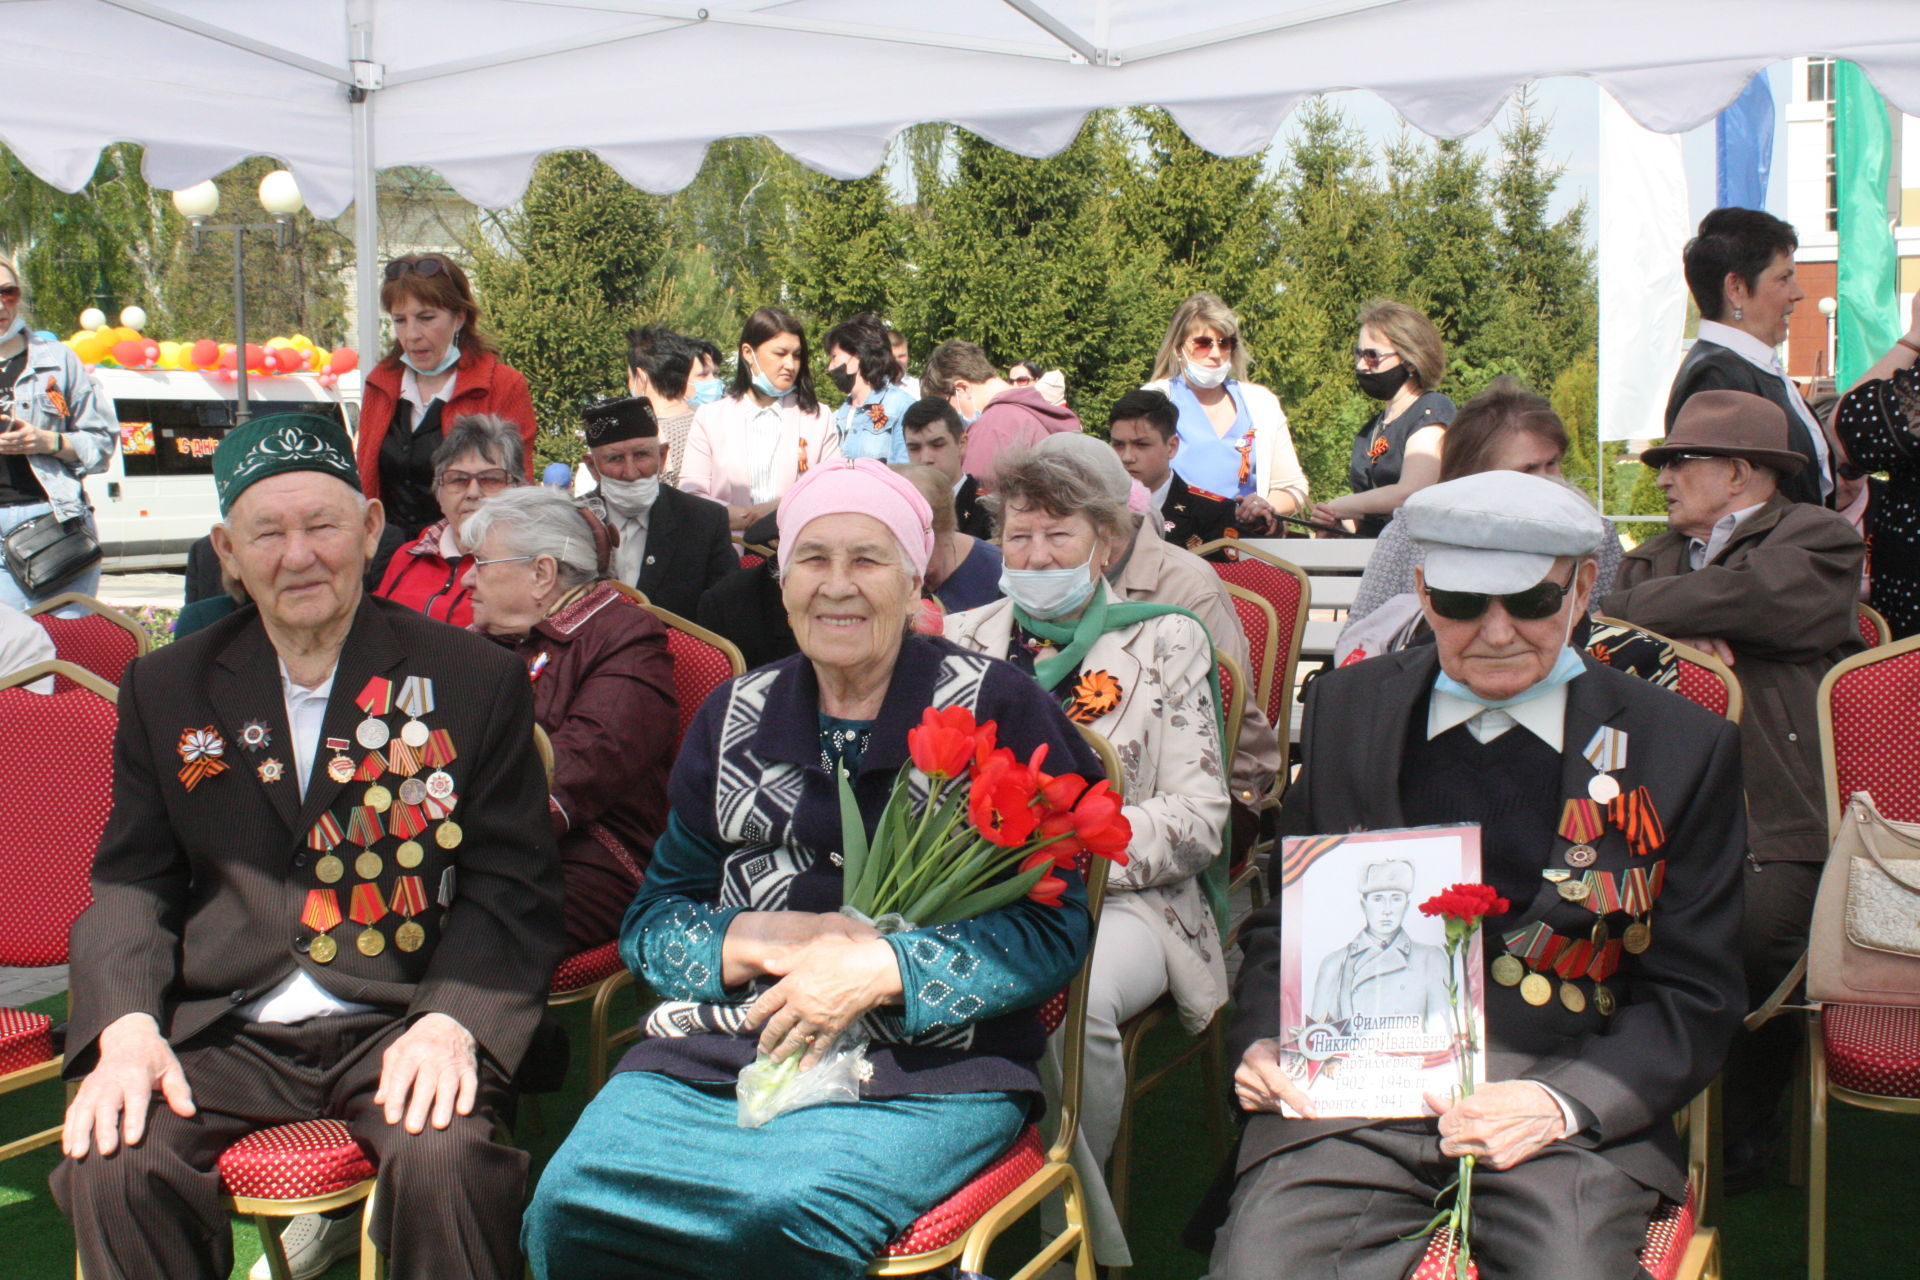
(1644, 223)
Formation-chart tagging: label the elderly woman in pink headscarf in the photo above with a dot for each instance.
(738, 929)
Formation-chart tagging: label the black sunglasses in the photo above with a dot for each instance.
(9, 293)
(1542, 600)
(418, 266)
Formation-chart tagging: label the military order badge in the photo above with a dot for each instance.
(1367, 1010)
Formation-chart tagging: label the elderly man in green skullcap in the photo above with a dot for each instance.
(328, 888)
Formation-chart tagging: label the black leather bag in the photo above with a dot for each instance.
(46, 553)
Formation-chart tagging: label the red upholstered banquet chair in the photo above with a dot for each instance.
(1874, 629)
(1283, 586)
(1865, 1055)
(310, 1166)
(963, 1227)
(1694, 674)
(55, 793)
(103, 640)
(752, 554)
(1679, 1246)
(702, 662)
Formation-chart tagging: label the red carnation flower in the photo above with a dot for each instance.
(1466, 903)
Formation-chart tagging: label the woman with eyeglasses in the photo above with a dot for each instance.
(440, 367)
(1234, 441)
(480, 456)
(748, 447)
(1398, 360)
(55, 427)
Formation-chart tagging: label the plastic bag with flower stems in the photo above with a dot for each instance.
(766, 1087)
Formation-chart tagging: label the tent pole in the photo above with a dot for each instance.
(367, 76)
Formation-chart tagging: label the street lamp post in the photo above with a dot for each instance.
(279, 196)
(1828, 306)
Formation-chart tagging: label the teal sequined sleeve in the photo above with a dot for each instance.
(671, 936)
(1014, 958)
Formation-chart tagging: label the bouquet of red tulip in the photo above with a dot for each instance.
(986, 815)
(990, 831)
(1464, 906)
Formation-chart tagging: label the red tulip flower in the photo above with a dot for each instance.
(1066, 846)
(1100, 824)
(944, 743)
(1001, 803)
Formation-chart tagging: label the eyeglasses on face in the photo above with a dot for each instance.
(418, 266)
(489, 481)
(1542, 600)
(1206, 342)
(1021, 380)
(1678, 458)
(501, 560)
(1371, 358)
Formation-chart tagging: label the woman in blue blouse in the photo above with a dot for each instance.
(737, 929)
(861, 362)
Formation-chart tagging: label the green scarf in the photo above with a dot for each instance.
(1076, 638)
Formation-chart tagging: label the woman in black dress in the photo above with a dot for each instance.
(1399, 359)
(1879, 423)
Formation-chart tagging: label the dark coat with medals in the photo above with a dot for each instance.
(1781, 593)
(969, 515)
(1676, 1003)
(689, 548)
(204, 894)
(1191, 518)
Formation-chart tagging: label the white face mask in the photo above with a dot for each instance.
(1205, 378)
(1048, 593)
(447, 361)
(18, 326)
(632, 498)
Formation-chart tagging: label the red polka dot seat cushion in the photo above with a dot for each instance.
(93, 642)
(1873, 1048)
(587, 968)
(949, 1220)
(1286, 590)
(698, 669)
(1668, 1235)
(26, 1040)
(294, 1162)
(56, 788)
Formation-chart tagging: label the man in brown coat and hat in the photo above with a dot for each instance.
(1769, 586)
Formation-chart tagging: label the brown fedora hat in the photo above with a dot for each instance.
(1730, 424)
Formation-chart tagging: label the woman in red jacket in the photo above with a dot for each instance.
(481, 456)
(440, 367)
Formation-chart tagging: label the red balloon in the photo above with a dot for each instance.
(131, 353)
(228, 374)
(256, 357)
(227, 361)
(205, 354)
(345, 360)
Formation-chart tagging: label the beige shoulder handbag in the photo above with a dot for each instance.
(1865, 947)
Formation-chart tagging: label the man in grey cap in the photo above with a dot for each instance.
(1611, 819)
(1768, 585)
(1383, 973)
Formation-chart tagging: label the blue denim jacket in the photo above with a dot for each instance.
(80, 410)
(863, 434)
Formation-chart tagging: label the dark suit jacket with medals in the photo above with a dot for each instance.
(1190, 518)
(198, 895)
(969, 516)
(1678, 1003)
(1712, 367)
(689, 548)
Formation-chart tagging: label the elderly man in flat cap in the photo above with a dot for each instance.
(328, 887)
(1610, 818)
(1769, 585)
(673, 545)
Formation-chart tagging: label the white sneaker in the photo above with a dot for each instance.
(313, 1242)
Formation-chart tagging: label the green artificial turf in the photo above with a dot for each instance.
(1874, 1231)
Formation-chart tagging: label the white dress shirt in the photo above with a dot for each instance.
(1761, 356)
(1700, 554)
(632, 551)
(410, 391)
(298, 997)
(1160, 497)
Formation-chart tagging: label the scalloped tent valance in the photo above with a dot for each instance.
(478, 89)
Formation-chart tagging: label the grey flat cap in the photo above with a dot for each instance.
(1499, 531)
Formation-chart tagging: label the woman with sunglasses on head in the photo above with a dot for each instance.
(55, 427)
(748, 447)
(440, 367)
(1398, 359)
(1504, 428)
(1234, 441)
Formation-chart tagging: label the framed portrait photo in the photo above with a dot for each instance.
(1373, 1012)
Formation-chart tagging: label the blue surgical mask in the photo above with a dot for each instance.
(706, 391)
(1048, 593)
(761, 384)
(447, 361)
(1568, 665)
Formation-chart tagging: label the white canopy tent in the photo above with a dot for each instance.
(477, 90)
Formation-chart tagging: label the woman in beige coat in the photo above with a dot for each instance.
(1142, 675)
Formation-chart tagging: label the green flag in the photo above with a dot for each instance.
(1868, 318)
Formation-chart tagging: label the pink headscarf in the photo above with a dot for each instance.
(864, 487)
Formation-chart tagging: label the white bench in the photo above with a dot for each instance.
(1333, 567)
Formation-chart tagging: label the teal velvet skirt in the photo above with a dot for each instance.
(657, 1180)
